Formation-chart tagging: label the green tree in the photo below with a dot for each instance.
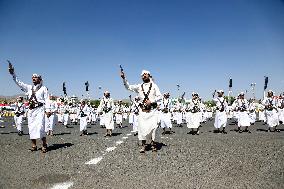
(210, 103)
(95, 103)
(230, 99)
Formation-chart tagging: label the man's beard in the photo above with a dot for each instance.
(36, 83)
(146, 80)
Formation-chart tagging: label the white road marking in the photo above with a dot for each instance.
(162, 137)
(124, 137)
(119, 142)
(63, 185)
(94, 161)
(129, 134)
(110, 149)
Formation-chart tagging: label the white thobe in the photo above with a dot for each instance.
(107, 121)
(36, 116)
(51, 107)
(271, 115)
(243, 116)
(83, 112)
(281, 110)
(221, 116)
(165, 117)
(193, 119)
(147, 121)
(19, 119)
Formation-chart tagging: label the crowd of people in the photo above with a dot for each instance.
(145, 113)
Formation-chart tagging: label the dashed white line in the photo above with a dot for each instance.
(119, 142)
(94, 161)
(124, 137)
(110, 149)
(63, 185)
(129, 134)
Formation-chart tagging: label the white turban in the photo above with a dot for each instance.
(36, 75)
(220, 91)
(145, 72)
(194, 93)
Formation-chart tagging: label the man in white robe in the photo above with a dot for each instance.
(242, 106)
(50, 115)
(66, 117)
(166, 114)
(221, 115)
(179, 107)
(148, 119)
(83, 113)
(38, 95)
(193, 114)
(93, 115)
(73, 114)
(119, 113)
(106, 109)
(270, 104)
(252, 113)
(280, 105)
(133, 116)
(19, 113)
(261, 112)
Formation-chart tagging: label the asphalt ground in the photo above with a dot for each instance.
(208, 160)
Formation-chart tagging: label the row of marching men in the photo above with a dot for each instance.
(192, 112)
(70, 114)
(270, 110)
(85, 114)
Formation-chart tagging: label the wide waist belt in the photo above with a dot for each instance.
(36, 105)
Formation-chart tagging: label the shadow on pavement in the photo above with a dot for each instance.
(58, 146)
(116, 134)
(94, 133)
(263, 130)
(4, 133)
(159, 146)
(62, 134)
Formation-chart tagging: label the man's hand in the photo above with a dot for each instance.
(148, 102)
(11, 68)
(122, 75)
(48, 114)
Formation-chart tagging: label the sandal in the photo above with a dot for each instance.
(44, 149)
(33, 149)
(142, 150)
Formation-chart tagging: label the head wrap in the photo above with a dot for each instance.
(145, 72)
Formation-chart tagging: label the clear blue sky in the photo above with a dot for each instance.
(197, 44)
